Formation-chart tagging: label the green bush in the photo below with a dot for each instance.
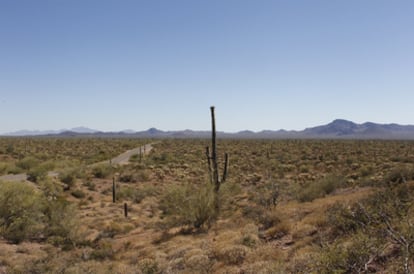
(62, 222)
(37, 173)
(189, 205)
(27, 213)
(68, 177)
(4, 168)
(21, 212)
(27, 163)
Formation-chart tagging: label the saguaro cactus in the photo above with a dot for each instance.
(212, 160)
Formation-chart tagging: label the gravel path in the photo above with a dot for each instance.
(123, 158)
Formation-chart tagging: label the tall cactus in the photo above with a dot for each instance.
(215, 179)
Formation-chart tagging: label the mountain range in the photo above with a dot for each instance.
(337, 129)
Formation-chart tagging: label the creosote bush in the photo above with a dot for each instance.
(27, 213)
(21, 212)
(189, 205)
(27, 163)
(37, 173)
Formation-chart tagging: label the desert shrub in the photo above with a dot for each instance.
(161, 159)
(4, 168)
(319, 188)
(115, 228)
(51, 190)
(250, 235)
(62, 222)
(345, 219)
(78, 193)
(135, 194)
(347, 257)
(143, 176)
(366, 171)
(13, 169)
(270, 218)
(189, 205)
(10, 149)
(27, 213)
(199, 263)
(127, 178)
(148, 266)
(103, 251)
(278, 231)
(232, 255)
(101, 171)
(266, 195)
(27, 163)
(364, 229)
(68, 177)
(253, 212)
(21, 212)
(400, 174)
(37, 173)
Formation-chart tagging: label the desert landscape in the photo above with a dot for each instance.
(286, 206)
(111, 161)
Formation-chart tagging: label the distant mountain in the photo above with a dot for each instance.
(337, 129)
(76, 130)
(83, 130)
(344, 129)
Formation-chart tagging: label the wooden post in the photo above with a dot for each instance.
(126, 210)
(113, 190)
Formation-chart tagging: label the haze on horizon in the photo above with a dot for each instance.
(114, 65)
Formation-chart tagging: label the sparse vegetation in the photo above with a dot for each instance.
(287, 206)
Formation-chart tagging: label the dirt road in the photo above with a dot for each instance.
(123, 158)
(14, 177)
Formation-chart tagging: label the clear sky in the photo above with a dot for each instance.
(264, 64)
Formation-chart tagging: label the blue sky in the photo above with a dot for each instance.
(264, 64)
